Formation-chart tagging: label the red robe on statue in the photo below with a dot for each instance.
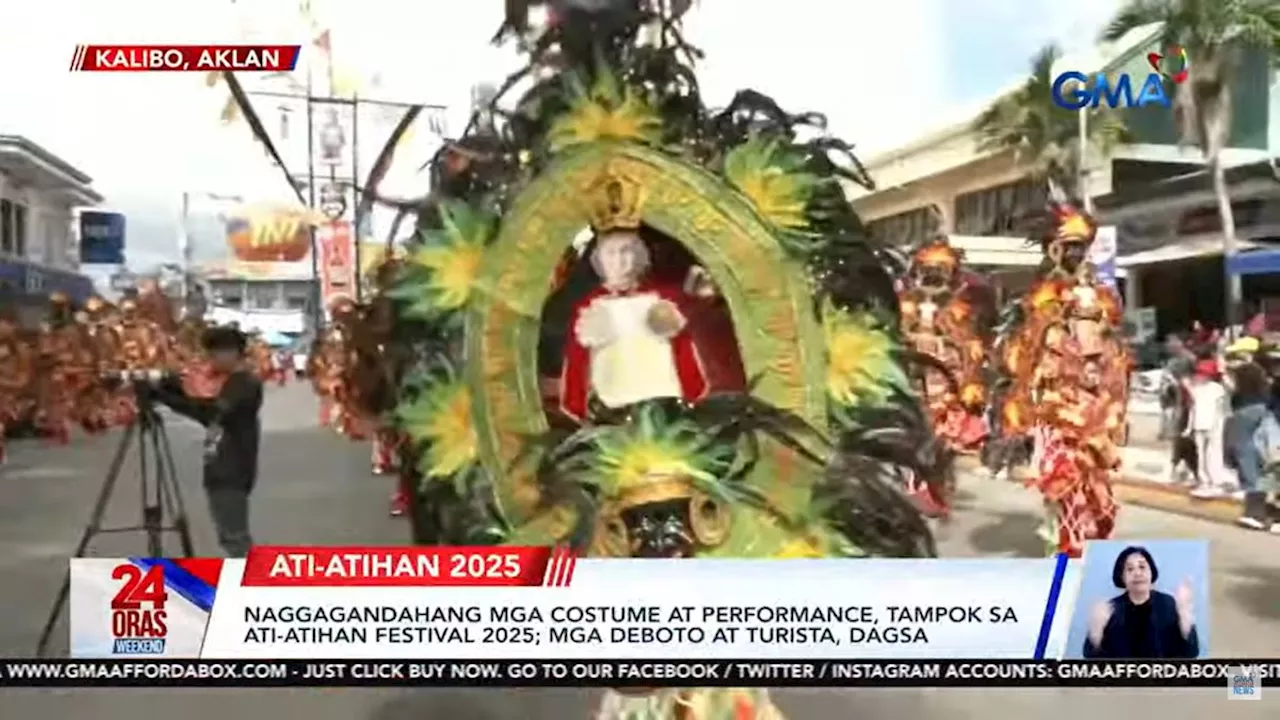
(575, 377)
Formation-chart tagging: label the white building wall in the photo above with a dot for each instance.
(49, 239)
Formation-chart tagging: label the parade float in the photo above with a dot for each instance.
(637, 327)
(947, 315)
(641, 328)
(1067, 381)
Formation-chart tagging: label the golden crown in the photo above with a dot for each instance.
(616, 201)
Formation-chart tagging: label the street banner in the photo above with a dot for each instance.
(477, 603)
(101, 238)
(1102, 254)
(337, 261)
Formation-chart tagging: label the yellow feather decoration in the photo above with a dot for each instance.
(442, 417)
(452, 255)
(798, 549)
(606, 111)
(775, 184)
(860, 361)
(453, 272)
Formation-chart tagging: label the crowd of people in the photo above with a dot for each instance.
(76, 369)
(1219, 406)
(355, 381)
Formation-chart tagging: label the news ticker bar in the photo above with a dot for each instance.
(633, 673)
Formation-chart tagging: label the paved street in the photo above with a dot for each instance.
(316, 489)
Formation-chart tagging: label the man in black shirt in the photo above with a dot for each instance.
(232, 433)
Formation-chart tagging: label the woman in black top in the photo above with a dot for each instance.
(1142, 623)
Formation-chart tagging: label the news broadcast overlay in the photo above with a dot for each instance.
(185, 58)
(1178, 570)
(536, 602)
(1244, 679)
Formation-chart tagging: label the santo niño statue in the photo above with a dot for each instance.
(633, 337)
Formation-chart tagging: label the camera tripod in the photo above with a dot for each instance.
(160, 500)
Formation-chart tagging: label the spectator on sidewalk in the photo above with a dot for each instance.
(1175, 400)
(1256, 326)
(1251, 434)
(1206, 421)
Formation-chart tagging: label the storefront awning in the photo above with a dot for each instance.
(31, 280)
(1184, 250)
(981, 251)
(1257, 262)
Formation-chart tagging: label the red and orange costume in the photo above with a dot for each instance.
(947, 315)
(354, 378)
(17, 368)
(144, 345)
(263, 361)
(1069, 368)
(66, 370)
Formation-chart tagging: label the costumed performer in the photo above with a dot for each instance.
(1069, 368)
(16, 375)
(946, 315)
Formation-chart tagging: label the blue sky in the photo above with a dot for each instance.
(990, 42)
(147, 138)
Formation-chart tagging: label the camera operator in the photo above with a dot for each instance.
(232, 434)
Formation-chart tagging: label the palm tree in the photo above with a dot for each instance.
(1212, 34)
(1041, 134)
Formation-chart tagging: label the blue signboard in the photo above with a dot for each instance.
(101, 238)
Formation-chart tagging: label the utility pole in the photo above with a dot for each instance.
(184, 247)
(1082, 155)
(355, 194)
(317, 312)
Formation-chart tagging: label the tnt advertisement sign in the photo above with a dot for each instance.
(101, 238)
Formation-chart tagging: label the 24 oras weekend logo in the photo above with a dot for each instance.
(185, 58)
(139, 622)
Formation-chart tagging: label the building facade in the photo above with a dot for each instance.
(260, 296)
(944, 184)
(39, 253)
(984, 201)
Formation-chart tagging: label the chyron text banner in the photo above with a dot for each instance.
(538, 602)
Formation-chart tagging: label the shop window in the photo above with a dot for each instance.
(6, 227)
(263, 296)
(905, 229)
(20, 230)
(1004, 210)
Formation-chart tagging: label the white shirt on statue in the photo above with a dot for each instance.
(629, 361)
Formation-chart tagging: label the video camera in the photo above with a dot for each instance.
(144, 382)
